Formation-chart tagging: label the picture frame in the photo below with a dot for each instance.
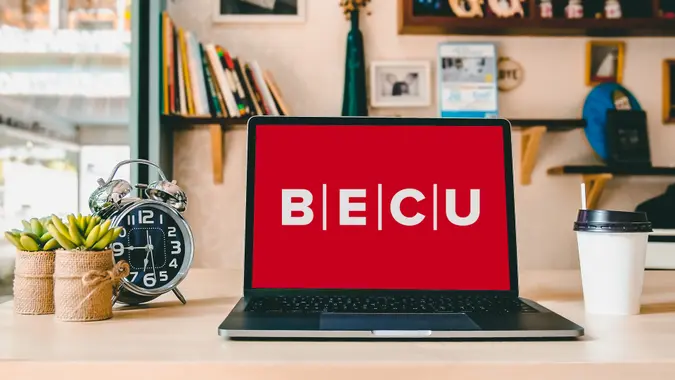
(467, 78)
(669, 91)
(400, 84)
(248, 14)
(604, 62)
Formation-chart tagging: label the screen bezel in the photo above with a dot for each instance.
(289, 122)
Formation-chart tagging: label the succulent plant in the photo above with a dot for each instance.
(83, 233)
(34, 237)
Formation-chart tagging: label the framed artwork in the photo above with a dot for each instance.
(400, 84)
(669, 91)
(604, 62)
(259, 11)
(467, 80)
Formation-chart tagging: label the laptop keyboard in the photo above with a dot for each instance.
(367, 304)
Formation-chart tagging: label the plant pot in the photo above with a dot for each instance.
(34, 283)
(83, 285)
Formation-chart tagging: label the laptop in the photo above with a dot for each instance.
(383, 228)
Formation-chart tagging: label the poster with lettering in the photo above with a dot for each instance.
(380, 207)
(467, 80)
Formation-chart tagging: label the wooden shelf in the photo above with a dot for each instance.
(178, 121)
(532, 25)
(216, 126)
(552, 125)
(601, 169)
(533, 131)
(595, 177)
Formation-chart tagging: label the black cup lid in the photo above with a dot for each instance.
(612, 221)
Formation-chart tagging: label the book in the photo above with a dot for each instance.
(265, 93)
(212, 97)
(253, 106)
(274, 89)
(256, 91)
(197, 73)
(204, 79)
(183, 110)
(186, 74)
(222, 82)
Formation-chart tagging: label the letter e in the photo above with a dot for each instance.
(346, 206)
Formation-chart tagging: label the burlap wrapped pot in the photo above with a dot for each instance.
(83, 284)
(34, 283)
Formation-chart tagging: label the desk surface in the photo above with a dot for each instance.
(169, 339)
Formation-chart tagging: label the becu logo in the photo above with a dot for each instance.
(297, 207)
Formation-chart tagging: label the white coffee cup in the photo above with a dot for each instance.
(612, 250)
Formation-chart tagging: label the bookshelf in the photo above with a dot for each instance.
(205, 86)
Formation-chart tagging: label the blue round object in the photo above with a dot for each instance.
(597, 103)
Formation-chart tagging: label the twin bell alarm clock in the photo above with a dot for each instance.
(156, 240)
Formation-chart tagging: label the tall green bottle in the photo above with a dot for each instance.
(354, 100)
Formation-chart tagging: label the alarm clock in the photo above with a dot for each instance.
(156, 240)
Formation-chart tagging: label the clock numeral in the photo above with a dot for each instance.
(172, 232)
(161, 218)
(173, 263)
(123, 233)
(175, 250)
(117, 248)
(131, 220)
(133, 276)
(149, 280)
(163, 276)
(145, 216)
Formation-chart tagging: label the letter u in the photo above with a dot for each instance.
(451, 208)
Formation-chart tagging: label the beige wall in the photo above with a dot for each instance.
(308, 59)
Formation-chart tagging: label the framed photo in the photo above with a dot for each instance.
(467, 80)
(604, 62)
(669, 91)
(400, 84)
(259, 11)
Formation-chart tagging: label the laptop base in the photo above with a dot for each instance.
(544, 324)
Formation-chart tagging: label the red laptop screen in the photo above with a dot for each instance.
(379, 207)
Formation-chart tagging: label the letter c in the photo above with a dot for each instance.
(395, 207)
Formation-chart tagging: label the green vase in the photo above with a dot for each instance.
(355, 100)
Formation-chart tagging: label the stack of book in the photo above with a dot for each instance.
(204, 80)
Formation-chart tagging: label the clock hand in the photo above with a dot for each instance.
(152, 256)
(148, 251)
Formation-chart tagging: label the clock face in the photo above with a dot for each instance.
(156, 243)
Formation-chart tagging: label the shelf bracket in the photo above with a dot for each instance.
(216, 132)
(595, 184)
(530, 139)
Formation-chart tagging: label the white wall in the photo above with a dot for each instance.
(308, 63)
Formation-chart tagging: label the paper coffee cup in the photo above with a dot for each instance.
(612, 250)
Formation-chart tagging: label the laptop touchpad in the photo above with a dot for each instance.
(357, 321)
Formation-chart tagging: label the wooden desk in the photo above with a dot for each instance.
(166, 340)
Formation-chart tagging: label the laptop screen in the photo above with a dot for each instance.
(380, 208)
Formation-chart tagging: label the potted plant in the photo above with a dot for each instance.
(84, 276)
(33, 275)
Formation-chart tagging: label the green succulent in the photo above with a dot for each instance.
(34, 237)
(83, 233)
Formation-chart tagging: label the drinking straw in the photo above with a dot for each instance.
(583, 196)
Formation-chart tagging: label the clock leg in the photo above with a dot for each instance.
(179, 295)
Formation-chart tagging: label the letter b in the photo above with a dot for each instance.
(288, 206)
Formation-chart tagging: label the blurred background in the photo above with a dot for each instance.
(64, 68)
